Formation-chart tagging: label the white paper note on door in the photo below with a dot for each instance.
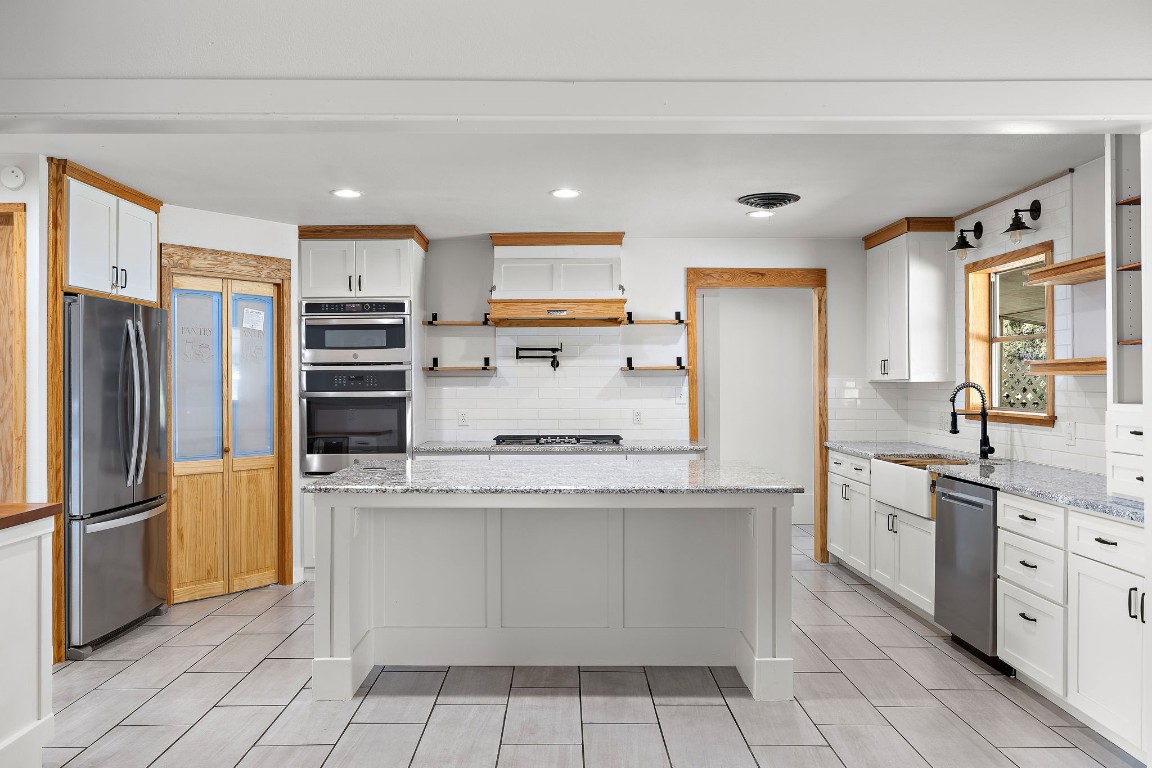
(254, 319)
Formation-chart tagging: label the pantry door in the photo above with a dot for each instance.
(224, 501)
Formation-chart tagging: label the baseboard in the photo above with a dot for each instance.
(297, 575)
(767, 679)
(23, 748)
(336, 679)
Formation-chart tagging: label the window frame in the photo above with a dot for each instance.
(978, 338)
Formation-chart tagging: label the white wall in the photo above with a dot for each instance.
(589, 393)
(1081, 401)
(34, 195)
(220, 231)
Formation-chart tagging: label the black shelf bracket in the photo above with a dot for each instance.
(435, 362)
(628, 365)
(680, 360)
(487, 363)
(550, 353)
(434, 318)
(486, 321)
(679, 319)
(628, 318)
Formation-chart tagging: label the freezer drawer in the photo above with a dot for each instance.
(117, 570)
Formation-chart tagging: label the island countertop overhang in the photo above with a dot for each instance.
(571, 475)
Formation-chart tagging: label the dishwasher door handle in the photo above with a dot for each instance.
(965, 501)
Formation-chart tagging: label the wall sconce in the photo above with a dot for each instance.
(1017, 227)
(962, 245)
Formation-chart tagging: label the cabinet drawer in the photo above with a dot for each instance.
(1117, 544)
(1030, 518)
(1030, 635)
(1123, 471)
(1031, 565)
(1125, 432)
(849, 466)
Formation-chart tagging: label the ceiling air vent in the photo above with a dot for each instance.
(768, 200)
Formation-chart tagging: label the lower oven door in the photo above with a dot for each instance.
(341, 429)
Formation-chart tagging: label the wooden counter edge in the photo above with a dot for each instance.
(13, 514)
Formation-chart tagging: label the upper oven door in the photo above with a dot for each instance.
(355, 339)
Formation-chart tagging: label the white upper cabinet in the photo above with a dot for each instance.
(557, 272)
(92, 238)
(383, 268)
(136, 239)
(909, 317)
(334, 269)
(111, 244)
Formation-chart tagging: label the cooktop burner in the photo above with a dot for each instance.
(558, 439)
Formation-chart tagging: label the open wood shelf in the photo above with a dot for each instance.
(1131, 343)
(460, 370)
(1130, 267)
(678, 368)
(629, 320)
(1074, 272)
(1069, 366)
(436, 321)
(1133, 200)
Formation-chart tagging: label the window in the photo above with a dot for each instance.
(1008, 324)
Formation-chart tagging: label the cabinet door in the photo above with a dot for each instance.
(916, 560)
(136, 251)
(327, 269)
(383, 268)
(838, 510)
(91, 238)
(883, 569)
(859, 527)
(897, 307)
(1105, 645)
(876, 310)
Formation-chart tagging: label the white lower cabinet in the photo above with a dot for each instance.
(1105, 645)
(1032, 565)
(839, 512)
(1030, 635)
(883, 570)
(916, 560)
(859, 554)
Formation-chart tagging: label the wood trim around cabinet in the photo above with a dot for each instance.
(707, 277)
(100, 181)
(54, 354)
(364, 232)
(906, 225)
(228, 265)
(13, 352)
(978, 333)
(557, 238)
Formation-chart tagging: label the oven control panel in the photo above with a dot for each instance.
(352, 380)
(355, 307)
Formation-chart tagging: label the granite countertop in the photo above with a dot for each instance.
(560, 475)
(1071, 487)
(628, 446)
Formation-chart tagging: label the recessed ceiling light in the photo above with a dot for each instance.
(565, 192)
(346, 193)
(758, 214)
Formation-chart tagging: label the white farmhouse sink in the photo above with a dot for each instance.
(905, 483)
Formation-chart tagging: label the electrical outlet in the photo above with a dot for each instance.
(682, 396)
(461, 418)
(1069, 433)
(637, 416)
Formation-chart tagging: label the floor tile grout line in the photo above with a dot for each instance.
(656, 714)
(732, 714)
(424, 729)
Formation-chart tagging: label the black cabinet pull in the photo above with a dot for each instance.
(359, 282)
(1140, 478)
(1026, 617)
(115, 276)
(1025, 517)
(1142, 596)
(858, 469)
(1131, 609)
(1105, 541)
(838, 463)
(844, 491)
(1137, 432)
(124, 278)
(349, 283)
(1027, 564)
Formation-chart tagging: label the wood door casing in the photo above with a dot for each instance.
(225, 511)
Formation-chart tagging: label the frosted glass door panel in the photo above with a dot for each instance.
(253, 388)
(197, 410)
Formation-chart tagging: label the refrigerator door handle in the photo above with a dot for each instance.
(120, 522)
(135, 442)
(142, 456)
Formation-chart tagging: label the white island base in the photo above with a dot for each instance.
(612, 579)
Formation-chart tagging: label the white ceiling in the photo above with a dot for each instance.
(646, 185)
(736, 40)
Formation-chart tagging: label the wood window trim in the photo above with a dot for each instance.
(977, 333)
(817, 279)
(229, 265)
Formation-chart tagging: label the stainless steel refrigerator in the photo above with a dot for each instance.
(116, 465)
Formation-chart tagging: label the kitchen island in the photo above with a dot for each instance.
(568, 561)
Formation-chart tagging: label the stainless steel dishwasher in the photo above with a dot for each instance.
(966, 564)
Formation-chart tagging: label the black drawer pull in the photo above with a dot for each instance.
(838, 463)
(1027, 564)
(1137, 432)
(1025, 517)
(1131, 610)
(858, 469)
(1105, 541)
(1140, 478)
(1026, 617)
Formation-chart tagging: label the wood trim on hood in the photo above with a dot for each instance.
(557, 238)
(533, 313)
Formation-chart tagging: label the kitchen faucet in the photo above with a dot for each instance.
(986, 448)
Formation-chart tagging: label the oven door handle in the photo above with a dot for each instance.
(310, 395)
(313, 367)
(358, 320)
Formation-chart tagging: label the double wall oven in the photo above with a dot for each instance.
(355, 383)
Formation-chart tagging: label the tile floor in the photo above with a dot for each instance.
(224, 682)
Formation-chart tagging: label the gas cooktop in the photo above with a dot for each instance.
(558, 439)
